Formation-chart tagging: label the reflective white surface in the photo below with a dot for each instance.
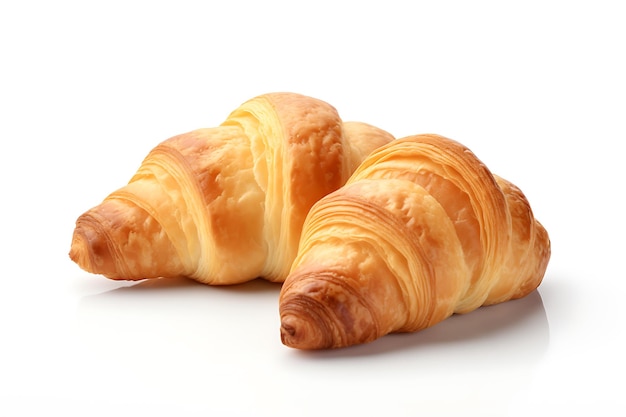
(536, 91)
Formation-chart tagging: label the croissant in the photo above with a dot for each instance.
(421, 231)
(225, 205)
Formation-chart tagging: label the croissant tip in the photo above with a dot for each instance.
(291, 332)
(300, 333)
(322, 313)
(287, 331)
(89, 249)
(78, 250)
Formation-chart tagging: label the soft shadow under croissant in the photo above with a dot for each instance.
(422, 230)
(225, 205)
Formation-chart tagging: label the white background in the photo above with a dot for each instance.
(536, 89)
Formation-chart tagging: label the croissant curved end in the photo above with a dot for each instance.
(90, 250)
(78, 252)
(299, 331)
(323, 314)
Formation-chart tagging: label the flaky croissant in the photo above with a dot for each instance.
(225, 205)
(422, 230)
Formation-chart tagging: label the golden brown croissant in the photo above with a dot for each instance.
(422, 230)
(225, 205)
